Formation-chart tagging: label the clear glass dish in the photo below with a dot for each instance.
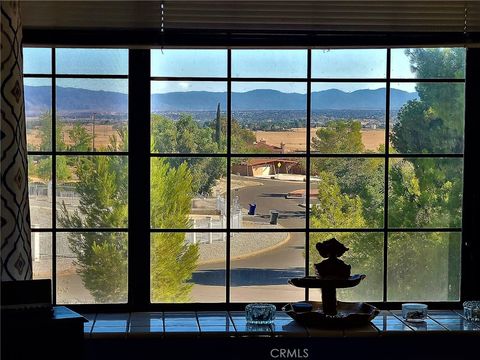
(414, 312)
(260, 314)
(471, 310)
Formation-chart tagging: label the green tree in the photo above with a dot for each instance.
(422, 127)
(339, 137)
(422, 192)
(173, 260)
(338, 210)
(42, 167)
(186, 136)
(101, 257)
(419, 266)
(356, 177)
(164, 134)
(434, 124)
(218, 127)
(427, 192)
(46, 133)
(242, 139)
(335, 209)
(182, 136)
(81, 139)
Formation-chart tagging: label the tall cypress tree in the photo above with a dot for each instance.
(173, 260)
(218, 127)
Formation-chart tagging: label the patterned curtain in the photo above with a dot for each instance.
(15, 214)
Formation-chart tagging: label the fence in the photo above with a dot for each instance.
(211, 223)
(45, 190)
(214, 222)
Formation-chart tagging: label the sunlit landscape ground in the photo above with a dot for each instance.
(294, 139)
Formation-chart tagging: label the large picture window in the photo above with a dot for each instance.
(255, 156)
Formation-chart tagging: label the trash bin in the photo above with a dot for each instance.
(251, 210)
(273, 217)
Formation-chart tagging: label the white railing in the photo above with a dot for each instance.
(210, 222)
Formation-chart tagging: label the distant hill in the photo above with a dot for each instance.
(38, 98)
(365, 99)
(78, 100)
(275, 100)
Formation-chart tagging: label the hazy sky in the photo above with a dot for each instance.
(361, 63)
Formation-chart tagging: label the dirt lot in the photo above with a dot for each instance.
(296, 139)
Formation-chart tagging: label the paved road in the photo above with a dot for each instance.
(271, 196)
(264, 276)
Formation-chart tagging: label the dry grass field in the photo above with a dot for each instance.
(296, 139)
(372, 139)
(102, 135)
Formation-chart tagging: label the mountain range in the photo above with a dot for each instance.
(38, 98)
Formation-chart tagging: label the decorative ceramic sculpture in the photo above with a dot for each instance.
(331, 274)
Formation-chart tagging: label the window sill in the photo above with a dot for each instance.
(204, 324)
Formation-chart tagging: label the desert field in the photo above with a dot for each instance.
(296, 139)
(102, 135)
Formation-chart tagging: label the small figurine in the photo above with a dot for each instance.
(332, 267)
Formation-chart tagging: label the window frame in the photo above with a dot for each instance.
(139, 81)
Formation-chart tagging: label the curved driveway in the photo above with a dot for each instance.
(271, 196)
(265, 274)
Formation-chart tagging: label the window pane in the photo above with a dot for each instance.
(269, 63)
(431, 63)
(365, 255)
(425, 192)
(38, 105)
(262, 264)
(92, 191)
(92, 268)
(92, 114)
(424, 266)
(42, 255)
(40, 190)
(188, 267)
(354, 63)
(189, 63)
(347, 193)
(433, 122)
(92, 61)
(189, 117)
(268, 118)
(188, 193)
(348, 118)
(37, 61)
(267, 193)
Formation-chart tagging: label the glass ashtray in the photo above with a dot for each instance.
(260, 314)
(471, 310)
